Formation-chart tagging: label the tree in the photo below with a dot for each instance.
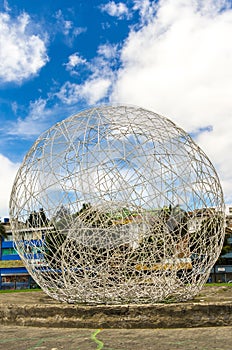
(3, 233)
(56, 237)
(53, 245)
(206, 235)
(37, 219)
(226, 245)
(62, 219)
(226, 248)
(92, 217)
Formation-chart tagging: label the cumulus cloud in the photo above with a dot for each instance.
(22, 54)
(118, 10)
(91, 91)
(95, 89)
(100, 76)
(218, 144)
(180, 59)
(109, 51)
(34, 123)
(75, 61)
(179, 64)
(7, 176)
(146, 9)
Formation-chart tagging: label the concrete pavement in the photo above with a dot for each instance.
(35, 338)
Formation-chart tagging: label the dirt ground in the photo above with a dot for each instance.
(209, 293)
(33, 338)
(48, 338)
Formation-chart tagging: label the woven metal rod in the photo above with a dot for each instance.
(117, 205)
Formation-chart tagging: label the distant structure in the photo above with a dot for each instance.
(13, 274)
(117, 205)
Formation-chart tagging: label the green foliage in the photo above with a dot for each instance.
(2, 230)
(226, 246)
(169, 225)
(53, 245)
(207, 232)
(37, 219)
(92, 217)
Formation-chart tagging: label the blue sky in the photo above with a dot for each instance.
(173, 57)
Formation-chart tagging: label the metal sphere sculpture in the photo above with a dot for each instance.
(117, 205)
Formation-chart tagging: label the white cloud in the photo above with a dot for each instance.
(91, 91)
(100, 78)
(181, 59)
(69, 93)
(118, 10)
(75, 60)
(64, 25)
(7, 175)
(95, 89)
(22, 54)
(35, 122)
(108, 51)
(179, 64)
(147, 10)
(6, 6)
(67, 28)
(218, 145)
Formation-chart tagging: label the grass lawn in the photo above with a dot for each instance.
(39, 289)
(20, 290)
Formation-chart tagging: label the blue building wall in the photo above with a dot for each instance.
(13, 274)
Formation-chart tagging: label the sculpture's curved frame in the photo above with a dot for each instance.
(117, 204)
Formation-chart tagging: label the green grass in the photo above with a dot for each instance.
(218, 284)
(20, 290)
(39, 289)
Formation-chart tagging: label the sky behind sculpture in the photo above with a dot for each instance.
(170, 56)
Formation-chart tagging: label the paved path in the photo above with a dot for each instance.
(33, 338)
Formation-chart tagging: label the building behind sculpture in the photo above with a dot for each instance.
(13, 274)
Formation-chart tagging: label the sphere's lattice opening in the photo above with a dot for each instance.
(117, 204)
